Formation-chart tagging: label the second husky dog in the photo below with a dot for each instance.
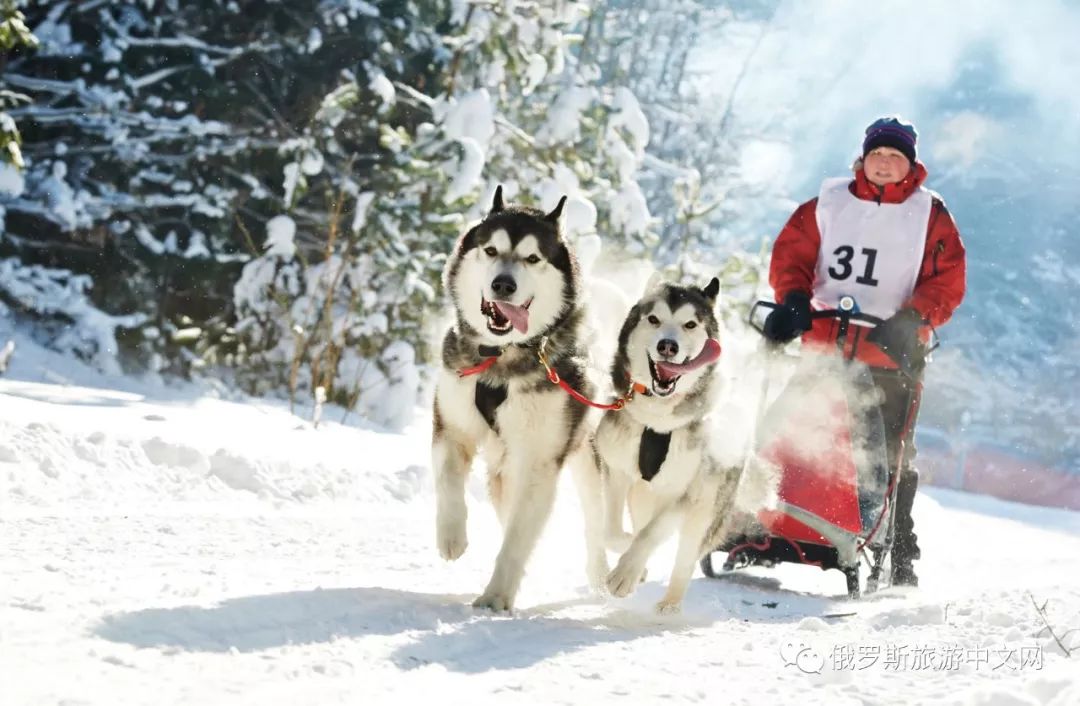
(655, 451)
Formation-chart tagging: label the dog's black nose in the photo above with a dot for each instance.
(667, 347)
(503, 286)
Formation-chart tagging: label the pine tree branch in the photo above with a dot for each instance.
(276, 115)
(186, 42)
(523, 136)
(137, 84)
(416, 97)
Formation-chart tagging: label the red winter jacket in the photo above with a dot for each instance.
(938, 289)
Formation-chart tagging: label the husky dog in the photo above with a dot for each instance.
(515, 289)
(655, 452)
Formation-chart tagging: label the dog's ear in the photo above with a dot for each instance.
(554, 215)
(655, 280)
(497, 204)
(712, 290)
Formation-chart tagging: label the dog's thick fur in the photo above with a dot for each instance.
(513, 282)
(655, 453)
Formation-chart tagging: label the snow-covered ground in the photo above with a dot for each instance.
(168, 546)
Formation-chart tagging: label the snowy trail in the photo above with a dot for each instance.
(198, 551)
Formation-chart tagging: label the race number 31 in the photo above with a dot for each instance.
(843, 267)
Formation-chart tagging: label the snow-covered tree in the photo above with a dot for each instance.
(510, 105)
(272, 187)
(156, 138)
(523, 96)
(693, 176)
(14, 34)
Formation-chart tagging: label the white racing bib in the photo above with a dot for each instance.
(869, 251)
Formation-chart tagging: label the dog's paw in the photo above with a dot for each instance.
(618, 542)
(451, 538)
(669, 606)
(597, 571)
(624, 578)
(494, 601)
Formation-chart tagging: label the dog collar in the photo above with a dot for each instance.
(636, 388)
(490, 355)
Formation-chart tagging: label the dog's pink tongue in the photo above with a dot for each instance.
(709, 354)
(517, 315)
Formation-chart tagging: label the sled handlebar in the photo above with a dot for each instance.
(844, 314)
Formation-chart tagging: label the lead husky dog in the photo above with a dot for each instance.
(655, 453)
(515, 287)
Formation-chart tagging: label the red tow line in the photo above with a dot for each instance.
(553, 376)
(617, 405)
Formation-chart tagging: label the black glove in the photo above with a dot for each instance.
(788, 320)
(898, 337)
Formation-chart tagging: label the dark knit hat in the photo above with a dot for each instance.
(891, 131)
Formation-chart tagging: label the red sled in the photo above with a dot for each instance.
(835, 485)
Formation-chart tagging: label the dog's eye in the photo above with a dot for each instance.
(532, 259)
(690, 325)
(653, 320)
(490, 251)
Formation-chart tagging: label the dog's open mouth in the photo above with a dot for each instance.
(663, 383)
(504, 317)
(665, 374)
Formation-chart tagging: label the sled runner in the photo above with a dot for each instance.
(836, 491)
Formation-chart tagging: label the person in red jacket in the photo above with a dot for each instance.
(890, 244)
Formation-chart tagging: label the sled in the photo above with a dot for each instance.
(836, 490)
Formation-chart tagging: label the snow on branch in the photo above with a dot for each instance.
(96, 96)
(61, 295)
(149, 79)
(187, 42)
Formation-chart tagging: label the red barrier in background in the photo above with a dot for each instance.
(990, 470)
